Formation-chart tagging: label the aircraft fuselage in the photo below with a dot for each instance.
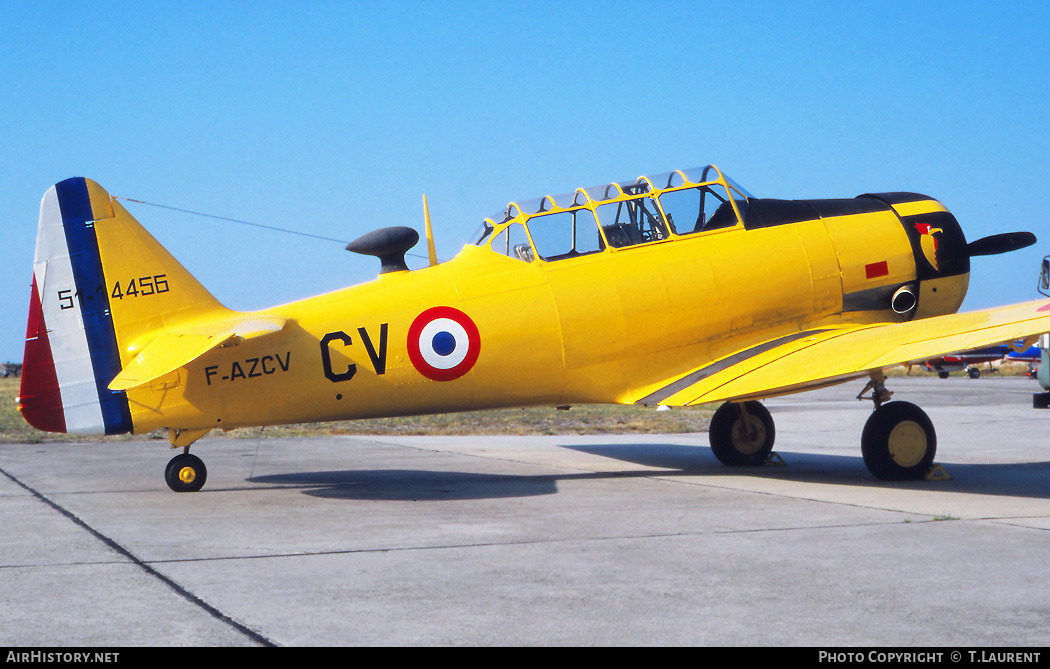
(578, 329)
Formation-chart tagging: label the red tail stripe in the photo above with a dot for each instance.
(39, 397)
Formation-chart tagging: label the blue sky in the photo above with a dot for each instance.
(334, 118)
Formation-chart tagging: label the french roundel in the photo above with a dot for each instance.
(443, 343)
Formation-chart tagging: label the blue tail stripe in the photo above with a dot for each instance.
(93, 298)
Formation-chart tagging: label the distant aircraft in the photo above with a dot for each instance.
(677, 289)
(968, 360)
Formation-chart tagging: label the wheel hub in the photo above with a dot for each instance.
(907, 443)
(749, 435)
(187, 474)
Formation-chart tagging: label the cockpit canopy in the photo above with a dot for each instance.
(616, 215)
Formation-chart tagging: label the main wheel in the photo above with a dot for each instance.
(742, 435)
(899, 442)
(186, 473)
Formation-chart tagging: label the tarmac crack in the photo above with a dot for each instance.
(114, 545)
(533, 542)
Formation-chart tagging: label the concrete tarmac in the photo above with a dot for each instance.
(557, 540)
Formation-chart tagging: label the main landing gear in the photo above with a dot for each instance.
(742, 434)
(898, 442)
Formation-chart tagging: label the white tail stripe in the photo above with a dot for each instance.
(62, 315)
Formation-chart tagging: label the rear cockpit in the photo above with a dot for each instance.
(616, 216)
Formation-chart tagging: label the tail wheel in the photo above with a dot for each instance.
(186, 473)
(899, 442)
(742, 434)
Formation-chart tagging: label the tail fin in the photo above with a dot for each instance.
(100, 281)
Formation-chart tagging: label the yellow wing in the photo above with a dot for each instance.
(822, 357)
(179, 346)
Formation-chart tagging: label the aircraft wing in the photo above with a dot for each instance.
(822, 357)
(179, 346)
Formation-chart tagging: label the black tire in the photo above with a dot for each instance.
(974, 373)
(738, 442)
(186, 473)
(899, 442)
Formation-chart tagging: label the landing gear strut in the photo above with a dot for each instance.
(898, 442)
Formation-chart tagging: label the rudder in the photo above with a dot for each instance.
(100, 283)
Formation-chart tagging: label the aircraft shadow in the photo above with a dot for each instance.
(416, 485)
(1028, 480)
(411, 485)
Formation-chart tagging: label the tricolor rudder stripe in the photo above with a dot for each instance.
(71, 350)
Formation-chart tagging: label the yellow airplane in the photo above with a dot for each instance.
(675, 290)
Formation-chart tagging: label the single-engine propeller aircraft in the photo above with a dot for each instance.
(675, 290)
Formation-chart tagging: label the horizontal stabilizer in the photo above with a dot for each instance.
(176, 347)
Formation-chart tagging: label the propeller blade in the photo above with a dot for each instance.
(996, 244)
